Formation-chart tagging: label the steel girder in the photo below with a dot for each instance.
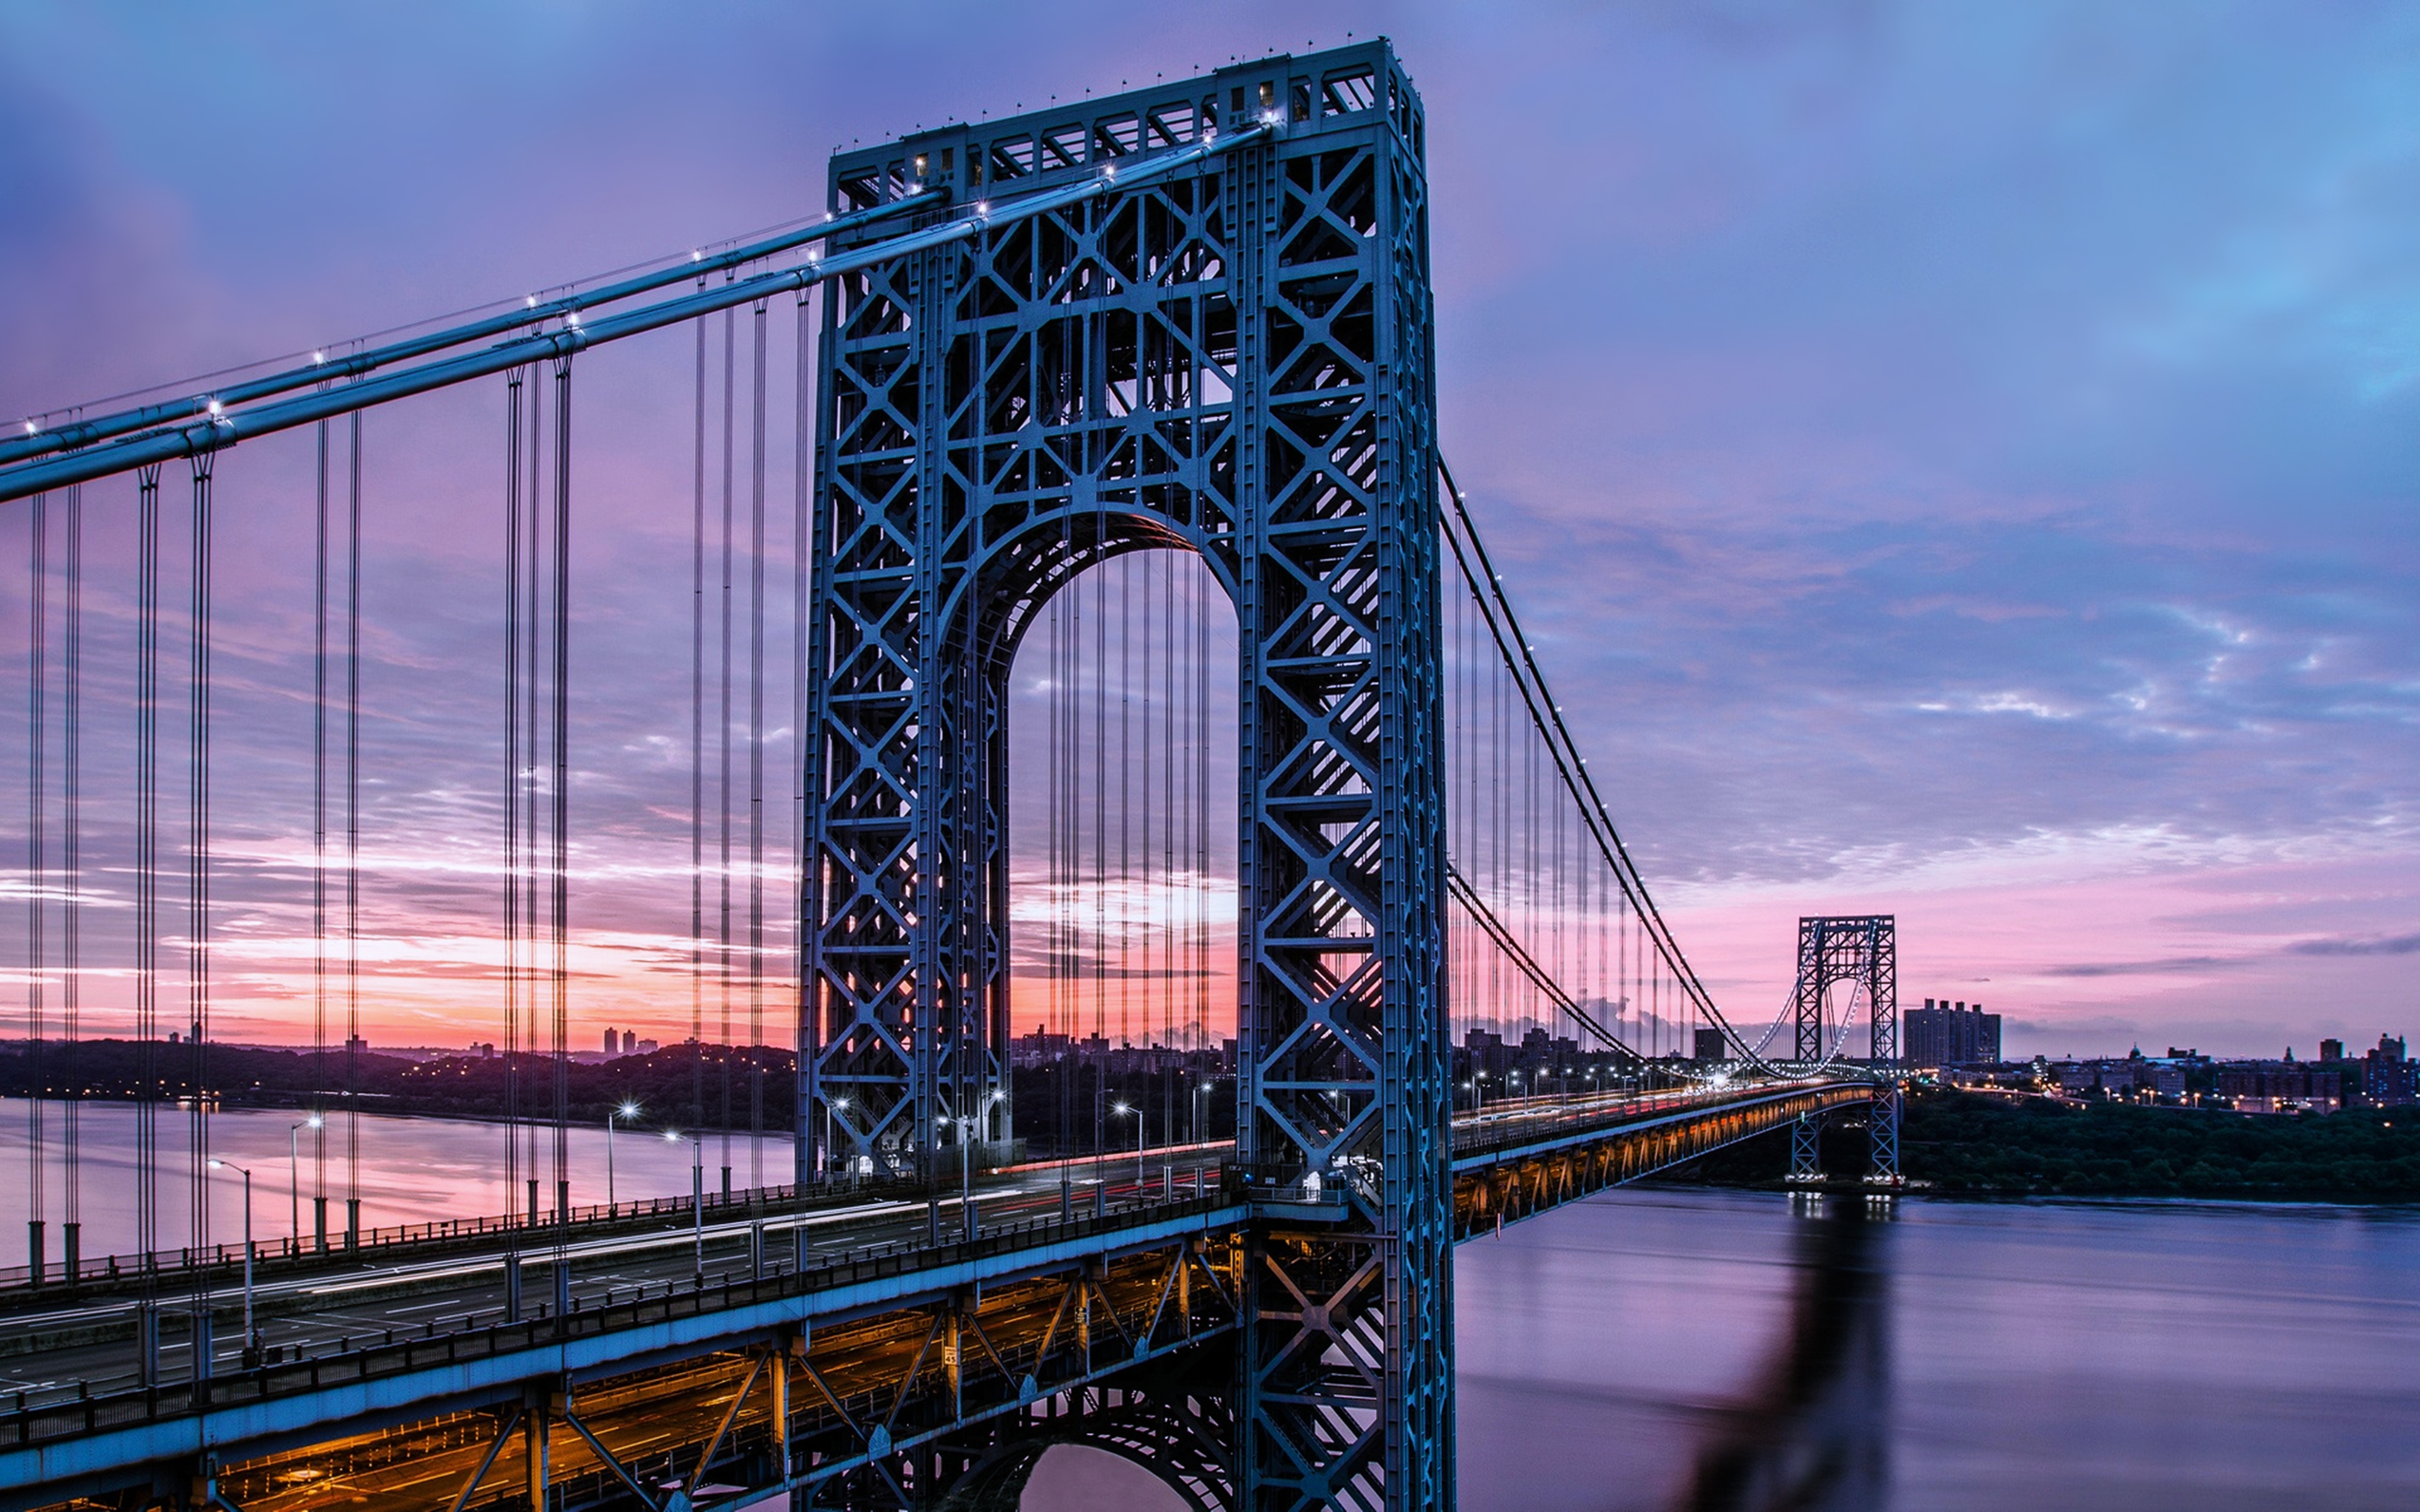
(1239, 364)
(1862, 950)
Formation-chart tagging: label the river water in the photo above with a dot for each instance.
(1637, 1351)
(410, 1170)
(1643, 1349)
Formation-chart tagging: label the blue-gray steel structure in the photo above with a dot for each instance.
(1236, 362)
(1860, 951)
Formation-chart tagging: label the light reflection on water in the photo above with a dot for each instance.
(412, 1170)
(2075, 1355)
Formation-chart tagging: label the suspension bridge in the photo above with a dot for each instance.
(1149, 676)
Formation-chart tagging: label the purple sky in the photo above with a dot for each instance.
(1957, 461)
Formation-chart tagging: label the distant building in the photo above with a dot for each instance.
(649, 1047)
(2279, 1086)
(630, 1041)
(2388, 1080)
(611, 1041)
(1711, 1045)
(1488, 1052)
(1950, 1034)
(2332, 1050)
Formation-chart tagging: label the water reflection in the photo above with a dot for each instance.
(410, 1170)
(1811, 1431)
(1623, 1354)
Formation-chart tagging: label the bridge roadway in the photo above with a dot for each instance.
(393, 1376)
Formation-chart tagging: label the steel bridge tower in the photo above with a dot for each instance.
(1862, 951)
(1237, 361)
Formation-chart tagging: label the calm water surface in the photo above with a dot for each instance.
(2012, 1356)
(1619, 1353)
(410, 1170)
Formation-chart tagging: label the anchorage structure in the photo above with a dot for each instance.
(1859, 952)
(1233, 359)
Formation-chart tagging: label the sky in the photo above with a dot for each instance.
(1955, 461)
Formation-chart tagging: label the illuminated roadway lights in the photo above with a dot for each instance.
(628, 1110)
(696, 1192)
(251, 1337)
(294, 1176)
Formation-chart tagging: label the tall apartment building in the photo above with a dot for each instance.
(1950, 1034)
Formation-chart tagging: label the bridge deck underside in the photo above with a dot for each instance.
(894, 1389)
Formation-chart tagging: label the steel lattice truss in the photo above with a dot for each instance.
(1862, 950)
(1238, 363)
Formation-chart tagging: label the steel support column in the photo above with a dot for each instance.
(1860, 951)
(1237, 361)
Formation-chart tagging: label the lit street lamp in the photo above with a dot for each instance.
(966, 1159)
(294, 1177)
(696, 1189)
(829, 1103)
(251, 1340)
(1201, 1091)
(1121, 1109)
(628, 1110)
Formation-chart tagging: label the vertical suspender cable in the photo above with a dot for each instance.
(514, 779)
(319, 842)
(723, 791)
(1100, 836)
(533, 778)
(197, 966)
(1201, 611)
(1125, 807)
(697, 752)
(804, 1039)
(1052, 942)
(353, 832)
(148, 1091)
(37, 738)
(71, 920)
(561, 796)
(1165, 918)
(756, 768)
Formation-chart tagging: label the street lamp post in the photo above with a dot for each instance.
(1201, 1091)
(696, 1190)
(294, 1178)
(251, 1340)
(1121, 1109)
(829, 1103)
(628, 1110)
